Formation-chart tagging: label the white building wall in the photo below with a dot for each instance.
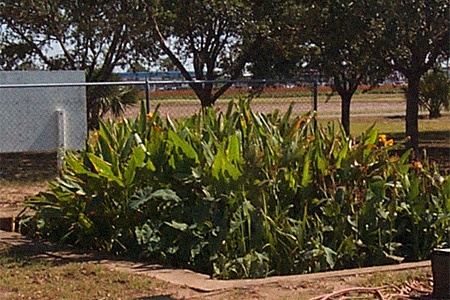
(30, 117)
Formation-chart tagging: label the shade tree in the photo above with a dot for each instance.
(342, 35)
(415, 35)
(211, 38)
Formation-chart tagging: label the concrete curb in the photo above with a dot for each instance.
(186, 278)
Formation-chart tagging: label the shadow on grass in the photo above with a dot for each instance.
(27, 251)
(436, 144)
(429, 137)
(18, 246)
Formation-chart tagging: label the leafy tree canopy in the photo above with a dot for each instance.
(70, 35)
(75, 35)
(210, 36)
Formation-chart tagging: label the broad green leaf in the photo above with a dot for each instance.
(106, 151)
(104, 169)
(329, 256)
(126, 149)
(378, 187)
(166, 195)
(51, 212)
(140, 198)
(372, 137)
(233, 150)
(342, 153)
(142, 121)
(130, 171)
(321, 164)
(446, 193)
(222, 166)
(184, 146)
(75, 165)
(405, 156)
(147, 194)
(306, 174)
(105, 131)
(209, 156)
(84, 221)
(218, 164)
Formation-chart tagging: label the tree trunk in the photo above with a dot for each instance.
(412, 111)
(435, 113)
(203, 91)
(345, 112)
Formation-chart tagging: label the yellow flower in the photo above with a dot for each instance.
(382, 138)
(150, 116)
(389, 142)
(96, 134)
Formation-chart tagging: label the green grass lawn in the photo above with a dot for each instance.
(395, 125)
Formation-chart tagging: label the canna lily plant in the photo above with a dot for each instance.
(242, 194)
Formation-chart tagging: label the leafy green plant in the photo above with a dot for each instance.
(242, 194)
(104, 99)
(434, 93)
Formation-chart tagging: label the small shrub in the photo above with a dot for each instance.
(109, 99)
(434, 93)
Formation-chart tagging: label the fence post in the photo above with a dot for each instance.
(61, 139)
(315, 102)
(315, 95)
(147, 95)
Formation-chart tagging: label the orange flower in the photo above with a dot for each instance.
(297, 124)
(382, 138)
(157, 128)
(417, 165)
(389, 142)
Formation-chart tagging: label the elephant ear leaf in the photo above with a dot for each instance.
(140, 198)
(147, 194)
(166, 195)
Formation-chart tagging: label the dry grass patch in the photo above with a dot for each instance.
(27, 278)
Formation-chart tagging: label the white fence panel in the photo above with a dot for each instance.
(31, 118)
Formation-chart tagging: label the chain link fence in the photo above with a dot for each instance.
(36, 126)
(40, 112)
(176, 98)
